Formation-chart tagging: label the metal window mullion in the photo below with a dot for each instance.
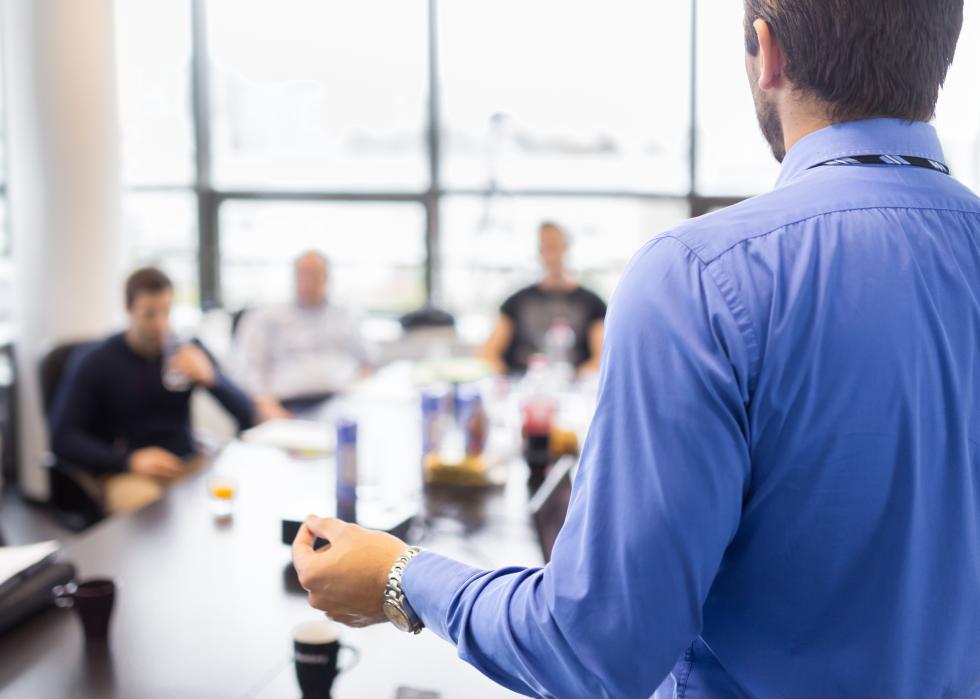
(209, 264)
(316, 195)
(564, 193)
(433, 195)
(693, 118)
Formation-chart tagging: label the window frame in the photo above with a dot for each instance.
(210, 198)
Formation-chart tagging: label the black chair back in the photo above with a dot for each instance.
(53, 366)
(427, 317)
(236, 320)
(72, 503)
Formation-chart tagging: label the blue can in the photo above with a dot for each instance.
(347, 469)
(461, 396)
(432, 404)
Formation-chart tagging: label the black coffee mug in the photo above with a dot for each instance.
(93, 600)
(317, 648)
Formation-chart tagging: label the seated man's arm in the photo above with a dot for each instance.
(596, 332)
(255, 362)
(74, 417)
(232, 398)
(655, 504)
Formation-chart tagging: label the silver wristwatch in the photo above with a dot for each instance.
(396, 607)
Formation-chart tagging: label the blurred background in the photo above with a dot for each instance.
(417, 142)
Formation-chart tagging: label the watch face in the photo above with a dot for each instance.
(396, 615)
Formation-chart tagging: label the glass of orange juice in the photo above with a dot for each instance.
(221, 493)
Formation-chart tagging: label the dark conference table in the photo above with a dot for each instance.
(202, 608)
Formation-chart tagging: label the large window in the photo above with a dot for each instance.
(420, 142)
(6, 263)
(309, 94)
(6, 271)
(556, 110)
(153, 42)
(162, 230)
(733, 158)
(376, 251)
(565, 95)
(159, 212)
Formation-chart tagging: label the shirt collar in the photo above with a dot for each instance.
(867, 137)
(310, 309)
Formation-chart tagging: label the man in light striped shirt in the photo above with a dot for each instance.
(295, 356)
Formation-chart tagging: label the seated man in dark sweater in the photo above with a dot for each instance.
(122, 411)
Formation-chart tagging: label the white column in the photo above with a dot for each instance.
(63, 191)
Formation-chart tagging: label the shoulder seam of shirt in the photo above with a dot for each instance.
(735, 307)
(727, 290)
(818, 215)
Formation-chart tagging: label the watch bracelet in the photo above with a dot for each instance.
(394, 591)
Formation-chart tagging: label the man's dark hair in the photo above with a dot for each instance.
(148, 280)
(863, 58)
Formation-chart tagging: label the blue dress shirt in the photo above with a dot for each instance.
(779, 495)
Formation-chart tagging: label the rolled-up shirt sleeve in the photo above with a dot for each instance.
(655, 503)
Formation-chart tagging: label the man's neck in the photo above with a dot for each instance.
(802, 118)
(561, 281)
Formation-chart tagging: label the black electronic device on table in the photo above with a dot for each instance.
(30, 594)
(396, 521)
(549, 505)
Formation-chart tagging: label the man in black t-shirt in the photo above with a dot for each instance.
(553, 316)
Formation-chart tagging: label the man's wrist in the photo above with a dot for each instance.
(397, 608)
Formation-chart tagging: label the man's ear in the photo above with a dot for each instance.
(770, 57)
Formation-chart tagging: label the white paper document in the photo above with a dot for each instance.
(294, 435)
(16, 559)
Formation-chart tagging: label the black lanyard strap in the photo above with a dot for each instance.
(902, 160)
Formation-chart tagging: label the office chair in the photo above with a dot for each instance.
(236, 319)
(75, 499)
(427, 317)
(426, 332)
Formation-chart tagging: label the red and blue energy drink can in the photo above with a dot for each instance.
(473, 421)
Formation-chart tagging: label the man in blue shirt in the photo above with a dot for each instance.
(779, 495)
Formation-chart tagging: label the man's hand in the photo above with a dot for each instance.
(156, 463)
(347, 578)
(193, 362)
